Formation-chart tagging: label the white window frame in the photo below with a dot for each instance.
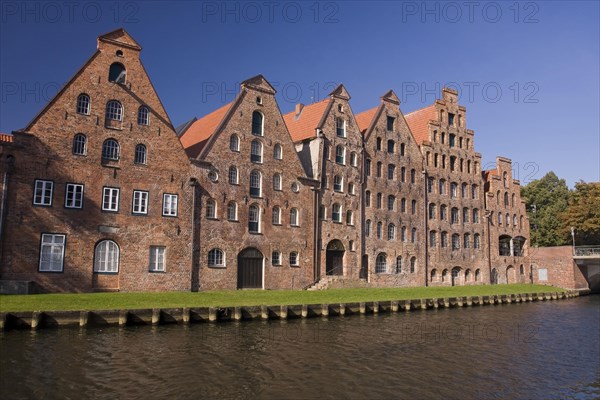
(111, 257)
(139, 202)
(158, 259)
(143, 117)
(83, 104)
(56, 243)
(74, 195)
(276, 258)
(111, 194)
(169, 208)
(278, 151)
(213, 261)
(46, 193)
(294, 259)
(233, 217)
(294, 217)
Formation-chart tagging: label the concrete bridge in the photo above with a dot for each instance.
(587, 259)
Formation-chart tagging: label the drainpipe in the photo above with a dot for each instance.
(9, 164)
(195, 284)
(426, 233)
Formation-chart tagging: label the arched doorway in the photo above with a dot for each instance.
(334, 258)
(250, 269)
(455, 276)
(510, 275)
(494, 277)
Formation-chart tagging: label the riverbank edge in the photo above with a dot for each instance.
(160, 316)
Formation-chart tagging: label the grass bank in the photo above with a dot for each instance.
(113, 301)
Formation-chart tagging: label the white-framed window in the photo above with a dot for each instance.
(83, 104)
(143, 116)
(211, 209)
(111, 150)
(340, 127)
(349, 217)
(351, 188)
(379, 230)
(257, 123)
(216, 258)
(114, 111)
(277, 152)
(140, 154)
(353, 159)
(294, 217)
(74, 195)
(106, 257)
(277, 181)
(276, 258)
(110, 199)
(232, 211)
(338, 183)
(453, 190)
(455, 241)
(140, 202)
(234, 142)
(169, 205)
(158, 256)
(413, 235)
(52, 252)
(340, 155)
(476, 241)
(233, 175)
(391, 231)
(79, 144)
(336, 212)
(42, 193)
(294, 261)
(381, 263)
(254, 219)
(255, 184)
(276, 218)
(256, 151)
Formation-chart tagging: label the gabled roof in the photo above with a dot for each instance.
(304, 125)
(181, 129)
(365, 118)
(418, 122)
(5, 137)
(196, 136)
(121, 37)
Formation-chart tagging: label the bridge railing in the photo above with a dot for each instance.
(587, 251)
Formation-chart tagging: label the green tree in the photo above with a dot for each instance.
(583, 214)
(546, 199)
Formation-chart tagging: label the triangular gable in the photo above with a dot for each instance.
(391, 97)
(259, 83)
(340, 92)
(120, 37)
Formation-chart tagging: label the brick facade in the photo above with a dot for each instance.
(264, 200)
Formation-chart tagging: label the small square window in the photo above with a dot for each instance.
(74, 196)
(42, 193)
(110, 199)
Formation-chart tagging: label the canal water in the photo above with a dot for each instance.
(541, 350)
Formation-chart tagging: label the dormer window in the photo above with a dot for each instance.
(257, 123)
(143, 116)
(117, 73)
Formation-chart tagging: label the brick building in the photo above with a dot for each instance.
(99, 192)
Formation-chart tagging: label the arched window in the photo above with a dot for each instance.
(381, 263)
(117, 73)
(432, 237)
(505, 245)
(454, 215)
(391, 146)
(232, 211)
(294, 262)
(477, 275)
(402, 149)
(379, 230)
(465, 215)
(391, 171)
(444, 239)
(499, 218)
(277, 181)
(350, 188)
(367, 167)
(294, 217)
(211, 209)
(257, 123)
(140, 154)
(403, 174)
(468, 275)
(431, 211)
(512, 201)
(83, 104)
(379, 164)
(474, 192)
(349, 217)
(444, 275)
(453, 190)
(433, 275)
(464, 190)
(233, 175)
(256, 151)
(391, 202)
(403, 205)
(79, 144)
(475, 216)
(338, 183)
(114, 111)
(403, 234)
(340, 127)
(255, 183)
(413, 264)
(515, 220)
(143, 116)
(442, 184)
(467, 241)
(368, 198)
(106, 257)
(413, 235)
(505, 199)
(353, 159)
(391, 232)
(336, 212)
(443, 212)
(368, 228)
(254, 218)
(277, 152)
(455, 241)
(216, 258)
(505, 179)
(379, 200)
(276, 217)
(413, 207)
(234, 142)
(476, 241)
(110, 150)
(340, 154)
(399, 264)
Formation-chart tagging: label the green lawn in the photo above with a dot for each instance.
(112, 301)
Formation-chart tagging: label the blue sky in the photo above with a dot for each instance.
(527, 72)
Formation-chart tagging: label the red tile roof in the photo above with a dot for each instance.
(5, 137)
(194, 139)
(304, 126)
(364, 119)
(418, 122)
(488, 173)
